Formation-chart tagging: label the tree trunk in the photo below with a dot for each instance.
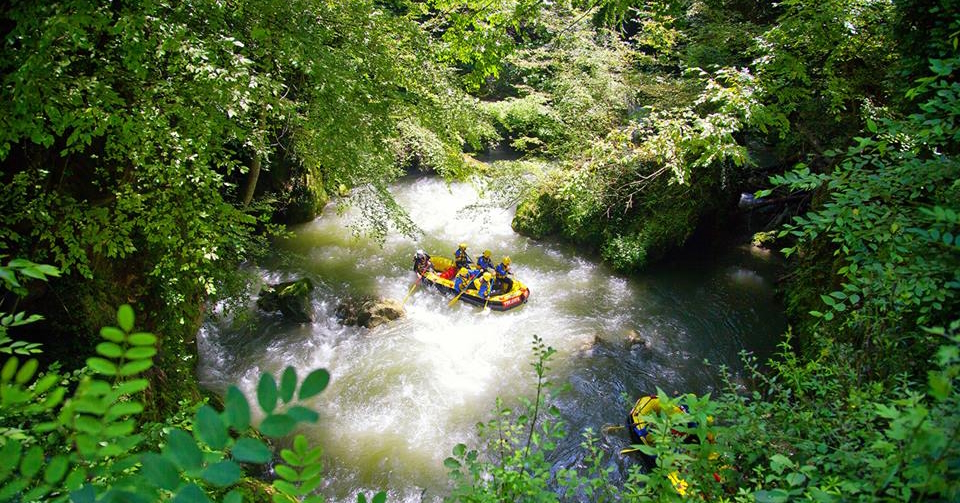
(252, 177)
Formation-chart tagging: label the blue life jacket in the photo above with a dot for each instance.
(485, 263)
(462, 283)
(502, 270)
(485, 288)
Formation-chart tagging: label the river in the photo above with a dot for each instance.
(403, 394)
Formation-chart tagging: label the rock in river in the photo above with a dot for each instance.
(291, 298)
(370, 312)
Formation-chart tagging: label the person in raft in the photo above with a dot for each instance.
(463, 280)
(421, 262)
(504, 282)
(485, 262)
(461, 259)
(484, 285)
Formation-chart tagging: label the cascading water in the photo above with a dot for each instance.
(403, 394)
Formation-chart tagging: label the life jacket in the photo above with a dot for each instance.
(484, 263)
(462, 282)
(484, 288)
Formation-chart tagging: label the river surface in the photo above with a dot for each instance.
(403, 395)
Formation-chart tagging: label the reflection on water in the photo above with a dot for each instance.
(402, 395)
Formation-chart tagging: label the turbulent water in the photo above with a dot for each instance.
(403, 394)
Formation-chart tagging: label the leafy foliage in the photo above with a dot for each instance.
(14, 275)
(83, 445)
(891, 217)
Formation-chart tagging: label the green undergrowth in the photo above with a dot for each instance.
(81, 436)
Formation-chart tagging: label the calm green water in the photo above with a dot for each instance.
(403, 394)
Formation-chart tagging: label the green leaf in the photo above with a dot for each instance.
(249, 450)
(32, 462)
(99, 365)
(234, 496)
(288, 384)
(160, 471)
(135, 367)
(871, 126)
(778, 462)
(210, 428)
(141, 352)
(27, 371)
(287, 489)
(796, 479)
(267, 393)
(123, 409)
(302, 414)
(222, 474)
(315, 383)
(56, 469)
(452, 464)
(940, 385)
(287, 473)
(774, 496)
(236, 410)
(277, 425)
(132, 386)
(76, 478)
(142, 339)
(125, 318)
(112, 334)
(291, 458)
(828, 300)
(380, 497)
(109, 349)
(9, 369)
(85, 494)
(191, 493)
(182, 450)
(10, 456)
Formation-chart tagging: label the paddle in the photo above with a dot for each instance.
(412, 288)
(455, 299)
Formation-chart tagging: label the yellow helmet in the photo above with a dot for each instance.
(463, 271)
(486, 253)
(463, 246)
(487, 276)
(506, 260)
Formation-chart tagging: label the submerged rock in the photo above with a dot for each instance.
(369, 313)
(291, 298)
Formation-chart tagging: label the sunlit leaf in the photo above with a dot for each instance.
(125, 317)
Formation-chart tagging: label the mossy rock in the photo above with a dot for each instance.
(537, 217)
(305, 204)
(291, 298)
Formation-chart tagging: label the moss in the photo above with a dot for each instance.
(537, 216)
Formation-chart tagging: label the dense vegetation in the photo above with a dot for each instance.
(149, 147)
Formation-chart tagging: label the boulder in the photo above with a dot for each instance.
(369, 313)
(291, 298)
